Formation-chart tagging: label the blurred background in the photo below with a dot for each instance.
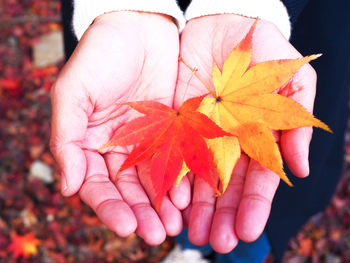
(36, 223)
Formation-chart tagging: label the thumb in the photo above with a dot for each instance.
(68, 127)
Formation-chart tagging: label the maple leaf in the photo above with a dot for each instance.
(169, 138)
(24, 245)
(244, 105)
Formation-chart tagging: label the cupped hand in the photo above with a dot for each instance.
(122, 57)
(242, 212)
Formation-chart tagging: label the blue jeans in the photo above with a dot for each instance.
(254, 252)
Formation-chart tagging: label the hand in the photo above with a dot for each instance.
(122, 57)
(242, 212)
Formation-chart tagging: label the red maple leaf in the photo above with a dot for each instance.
(169, 137)
(24, 245)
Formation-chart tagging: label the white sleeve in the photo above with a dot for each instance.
(85, 11)
(270, 10)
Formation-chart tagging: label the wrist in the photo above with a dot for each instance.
(270, 10)
(114, 17)
(133, 24)
(85, 11)
(131, 30)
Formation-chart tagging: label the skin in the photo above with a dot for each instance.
(130, 56)
(242, 212)
(122, 57)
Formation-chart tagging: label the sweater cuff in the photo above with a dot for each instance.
(270, 10)
(85, 11)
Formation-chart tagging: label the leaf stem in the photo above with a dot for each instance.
(194, 71)
(187, 85)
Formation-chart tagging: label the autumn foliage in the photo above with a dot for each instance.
(25, 245)
(244, 104)
(169, 137)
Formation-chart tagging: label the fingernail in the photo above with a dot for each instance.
(64, 185)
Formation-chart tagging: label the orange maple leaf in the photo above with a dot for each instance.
(169, 137)
(244, 105)
(24, 245)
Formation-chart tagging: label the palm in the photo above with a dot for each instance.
(124, 56)
(243, 211)
(130, 75)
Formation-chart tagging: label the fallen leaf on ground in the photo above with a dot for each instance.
(25, 246)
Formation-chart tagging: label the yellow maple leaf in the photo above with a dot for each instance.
(183, 172)
(244, 105)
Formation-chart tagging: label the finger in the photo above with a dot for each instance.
(295, 150)
(187, 211)
(169, 215)
(302, 88)
(202, 211)
(254, 208)
(69, 122)
(103, 197)
(186, 215)
(149, 226)
(180, 194)
(295, 143)
(223, 237)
